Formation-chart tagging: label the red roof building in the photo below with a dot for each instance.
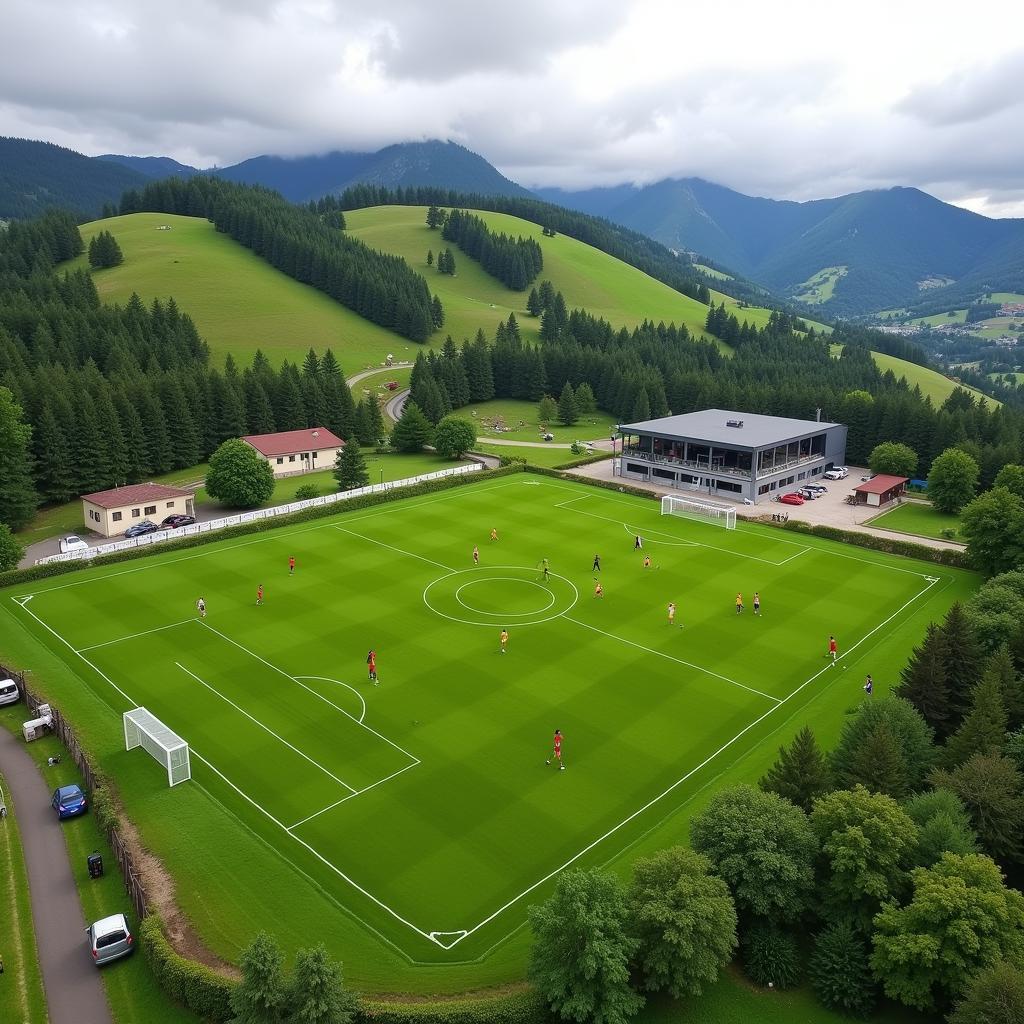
(880, 490)
(297, 451)
(134, 494)
(109, 513)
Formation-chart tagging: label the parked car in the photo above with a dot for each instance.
(71, 543)
(391, 385)
(836, 473)
(69, 801)
(9, 692)
(146, 526)
(173, 522)
(791, 499)
(808, 494)
(110, 939)
(818, 488)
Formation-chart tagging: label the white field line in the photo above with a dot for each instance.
(132, 636)
(308, 689)
(669, 657)
(692, 771)
(391, 547)
(338, 682)
(266, 728)
(359, 792)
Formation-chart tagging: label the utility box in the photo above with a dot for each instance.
(95, 864)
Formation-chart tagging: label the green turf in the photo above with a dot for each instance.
(587, 277)
(457, 817)
(932, 383)
(920, 518)
(132, 991)
(512, 419)
(820, 287)
(21, 993)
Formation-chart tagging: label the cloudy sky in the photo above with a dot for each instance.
(786, 99)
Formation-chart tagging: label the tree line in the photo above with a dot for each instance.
(305, 244)
(515, 262)
(889, 865)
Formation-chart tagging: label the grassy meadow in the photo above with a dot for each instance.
(820, 287)
(920, 519)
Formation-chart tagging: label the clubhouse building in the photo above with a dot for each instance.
(735, 455)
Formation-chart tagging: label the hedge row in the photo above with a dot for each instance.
(586, 461)
(194, 985)
(520, 1008)
(15, 577)
(956, 558)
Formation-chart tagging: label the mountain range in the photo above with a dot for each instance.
(852, 255)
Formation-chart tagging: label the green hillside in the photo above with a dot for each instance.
(587, 277)
(240, 304)
(932, 383)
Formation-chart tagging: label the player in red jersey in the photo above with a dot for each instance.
(291, 566)
(556, 755)
(832, 649)
(259, 594)
(371, 665)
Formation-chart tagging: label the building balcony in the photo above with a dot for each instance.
(688, 464)
(792, 464)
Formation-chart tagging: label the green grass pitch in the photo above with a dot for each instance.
(423, 805)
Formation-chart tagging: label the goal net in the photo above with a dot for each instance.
(723, 515)
(142, 729)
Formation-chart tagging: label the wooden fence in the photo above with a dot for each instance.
(132, 879)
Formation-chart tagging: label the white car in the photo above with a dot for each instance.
(836, 473)
(9, 692)
(72, 543)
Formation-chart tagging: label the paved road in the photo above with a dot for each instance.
(394, 406)
(353, 381)
(74, 989)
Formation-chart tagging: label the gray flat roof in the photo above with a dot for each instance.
(710, 425)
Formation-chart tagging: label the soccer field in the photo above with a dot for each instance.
(424, 803)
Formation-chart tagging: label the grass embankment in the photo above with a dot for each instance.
(918, 518)
(220, 856)
(132, 991)
(22, 999)
(718, 275)
(820, 287)
(513, 420)
(932, 383)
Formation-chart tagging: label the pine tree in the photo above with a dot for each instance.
(413, 431)
(430, 257)
(567, 413)
(350, 468)
(437, 313)
(586, 403)
(878, 764)
(533, 304)
(1011, 686)
(18, 498)
(801, 774)
(923, 681)
(55, 473)
(964, 660)
(259, 998)
(984, 728)
(317, 994)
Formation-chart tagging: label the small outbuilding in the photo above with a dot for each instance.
(109, 513)
(880, 490)
(297, 451)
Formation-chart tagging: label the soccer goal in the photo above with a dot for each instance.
(723, 515)
(142, 729)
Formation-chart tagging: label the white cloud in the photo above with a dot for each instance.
(792, 99)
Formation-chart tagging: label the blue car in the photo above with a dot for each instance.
(69, 801)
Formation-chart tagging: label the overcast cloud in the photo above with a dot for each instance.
(787, 99)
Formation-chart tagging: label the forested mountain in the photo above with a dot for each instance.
(888, 248)
(153, 166)
(38, 176)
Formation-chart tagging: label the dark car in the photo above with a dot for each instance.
(146, 526)
(69, 801)
(173, 522)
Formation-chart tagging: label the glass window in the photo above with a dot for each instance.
(280, 460)
(151, 510)
(116, 517)
(291, 458)
(169, 504)
(135, 513)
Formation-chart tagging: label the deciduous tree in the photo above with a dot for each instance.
(239, 476)
(454, 436)
(993, 526)
(11, 550)
(893, 458)
(952, 480)
(994, 995)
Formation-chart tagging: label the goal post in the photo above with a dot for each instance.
(689, 508)
(143, 729)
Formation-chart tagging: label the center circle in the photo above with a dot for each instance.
(504, 601)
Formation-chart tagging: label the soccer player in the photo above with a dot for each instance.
(556, 754)
(476, 555)
(757, 603)
(371, 665)
(869, 685)
(494, 534)
(638, 543)
(259, 595)
(598, 590)
(545, 567)
(671, 613)
(291, 566)
(739, 603)
(832, 648)
(596, 567)
(647, 561)
(504, 640)
(201, 605)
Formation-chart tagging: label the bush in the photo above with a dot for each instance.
(512, 460)
(520, 1008)
(771, 957)
(194, 985)
(12, 551)
(840, 971)
(306, 492)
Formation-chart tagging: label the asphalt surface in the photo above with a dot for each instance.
(74, 989)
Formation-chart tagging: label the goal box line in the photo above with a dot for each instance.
(690, 508)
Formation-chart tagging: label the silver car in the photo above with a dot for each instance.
(110, 939)
(9, 693)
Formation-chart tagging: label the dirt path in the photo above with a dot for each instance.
(74, 989)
